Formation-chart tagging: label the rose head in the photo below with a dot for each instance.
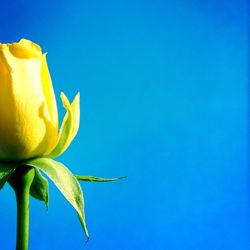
(28, 110)
(29, 136)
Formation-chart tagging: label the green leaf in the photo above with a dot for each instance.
(6, 169)
(39, 188)
(66, 183)
(97, 179)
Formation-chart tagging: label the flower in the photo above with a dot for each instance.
(29, 136)
(28, 110)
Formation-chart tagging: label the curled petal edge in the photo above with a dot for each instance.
(69, 127)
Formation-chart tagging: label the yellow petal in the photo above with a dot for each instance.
(75, 106)
(25, 49)
(69, 127)
(49, 92)
(26, 126)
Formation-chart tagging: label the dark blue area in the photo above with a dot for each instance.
(164, 101)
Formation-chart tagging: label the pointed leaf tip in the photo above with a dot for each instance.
(6, 169)
(40, 188)
(97, 179)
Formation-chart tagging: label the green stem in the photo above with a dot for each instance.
(21, 181)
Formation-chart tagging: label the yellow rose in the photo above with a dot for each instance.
(28, 111)
(29, 136)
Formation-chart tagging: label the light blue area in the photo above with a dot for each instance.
(164, 100)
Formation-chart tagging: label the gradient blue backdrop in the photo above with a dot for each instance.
(164, 101)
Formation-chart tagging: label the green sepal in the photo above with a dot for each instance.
(6, 169)
(40, 188)
(66, 182)
(97, 179)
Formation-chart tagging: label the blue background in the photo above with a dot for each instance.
(164, 100)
